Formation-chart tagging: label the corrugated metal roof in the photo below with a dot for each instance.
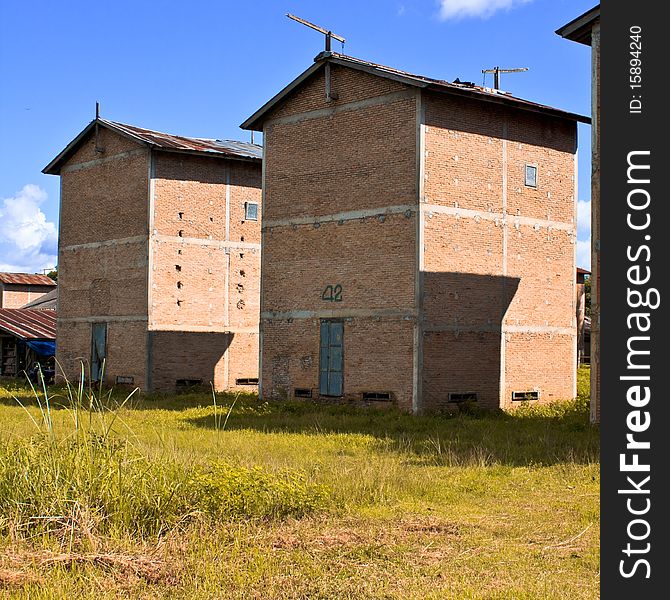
(164, 141)
(429, 83)
(26, 279)
(179, 142)
(29, 324)
(44, 302)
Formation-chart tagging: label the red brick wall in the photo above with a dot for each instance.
(498, 254)
(126, 351)
(328, 179)
(104, 199)
(15, 296)
(205, 270)
(378, 357)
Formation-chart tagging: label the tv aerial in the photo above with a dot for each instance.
(326, 32)
(496, 74)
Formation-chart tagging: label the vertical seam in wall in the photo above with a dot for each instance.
(575, 356)
(417, 359)
(226, 315)
(151, 172)
(260, 320)
(594, 352)
(503, 341)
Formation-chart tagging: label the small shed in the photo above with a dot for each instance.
(27, 338)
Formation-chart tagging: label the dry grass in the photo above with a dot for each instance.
(483, 506)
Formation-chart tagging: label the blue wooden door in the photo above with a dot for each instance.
(330, 359)
(98, 350)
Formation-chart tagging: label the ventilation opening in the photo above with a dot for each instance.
(302, 393)
(183, 384)
(525, 396)
(177, 267)
(247, 381)
(377, 396)
(180, 285)
(462, 397)
(181, 215)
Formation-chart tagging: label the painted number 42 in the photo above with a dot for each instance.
(332, 293)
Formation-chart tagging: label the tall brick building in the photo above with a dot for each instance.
(159, 256)
(418, 240)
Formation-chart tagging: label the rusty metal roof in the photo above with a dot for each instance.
(26, 279)
(421, 81)
(163, 141)
(28, 324)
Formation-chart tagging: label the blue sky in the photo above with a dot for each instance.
(200, 68)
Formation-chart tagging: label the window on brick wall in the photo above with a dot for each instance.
(251, 211)
(531, 175)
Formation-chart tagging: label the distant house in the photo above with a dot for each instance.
(26, 337)
(159, 258)
(48, 301)
(17, 289)
(583, 351)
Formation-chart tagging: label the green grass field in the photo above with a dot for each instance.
(176, 497)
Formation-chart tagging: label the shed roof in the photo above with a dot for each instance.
(44, 302)
(26, 279)
(230, 149)
(420, 81)
(28, 324)
(579, 29)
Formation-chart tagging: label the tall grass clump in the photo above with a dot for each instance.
(89, 478)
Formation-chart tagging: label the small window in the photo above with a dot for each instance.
(531, 175)
(462, 397)
(251, 211)
(247, 381)
(185, 384)
(383, 396)
(525, 396)
(302, 393)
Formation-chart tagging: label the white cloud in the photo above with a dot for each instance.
(584, 219)
(584, 254)
(28, 242)
(459, 9)
(584, 234)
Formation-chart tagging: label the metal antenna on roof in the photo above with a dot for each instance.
(329, 34)
(496, 74)
(97, 147)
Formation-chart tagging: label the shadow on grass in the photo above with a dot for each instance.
(531, 436)
(12, 390)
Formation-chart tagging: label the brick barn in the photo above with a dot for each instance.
(418, 241)
(18, 289)
(159, 258)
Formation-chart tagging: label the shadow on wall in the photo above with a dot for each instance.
(458, 114)
(182, 359)
(463, 317)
